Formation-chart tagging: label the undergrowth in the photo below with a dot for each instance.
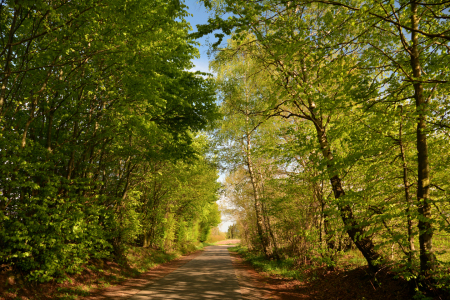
(350, 265)
(285, 268)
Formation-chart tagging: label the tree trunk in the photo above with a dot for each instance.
(407, 194)
(8, 60)
(147, 239)
(325, 220)
(355, 231)
(275, 254)
(427, 258)
(263, 237)
(258, 210)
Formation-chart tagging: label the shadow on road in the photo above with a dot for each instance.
(209, 276)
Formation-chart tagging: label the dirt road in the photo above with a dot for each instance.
(208, 276)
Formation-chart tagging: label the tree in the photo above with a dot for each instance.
(94, 94)
(347, 62)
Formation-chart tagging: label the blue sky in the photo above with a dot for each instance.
(200, 16)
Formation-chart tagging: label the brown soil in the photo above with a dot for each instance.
(252, 285)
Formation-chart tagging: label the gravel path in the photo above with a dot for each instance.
(208, 276)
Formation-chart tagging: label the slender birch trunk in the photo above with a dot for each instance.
(257, 201)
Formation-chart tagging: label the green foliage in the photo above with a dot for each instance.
(211, 219)
(286, 268)
(98, 123)
(344, 101)
(233, 232)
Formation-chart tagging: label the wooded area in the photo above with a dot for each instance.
(335, 130)
(101, 144)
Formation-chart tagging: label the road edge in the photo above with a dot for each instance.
(131, 286)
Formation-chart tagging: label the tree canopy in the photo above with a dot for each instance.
(100, 124)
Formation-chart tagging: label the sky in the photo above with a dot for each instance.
(200, 16)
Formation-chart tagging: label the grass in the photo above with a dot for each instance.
(351, 259)
(72, 293)
(441, 244)
(142, 259)
(285, 268)
(290, 268)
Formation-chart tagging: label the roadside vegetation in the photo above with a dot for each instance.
(350, 279)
